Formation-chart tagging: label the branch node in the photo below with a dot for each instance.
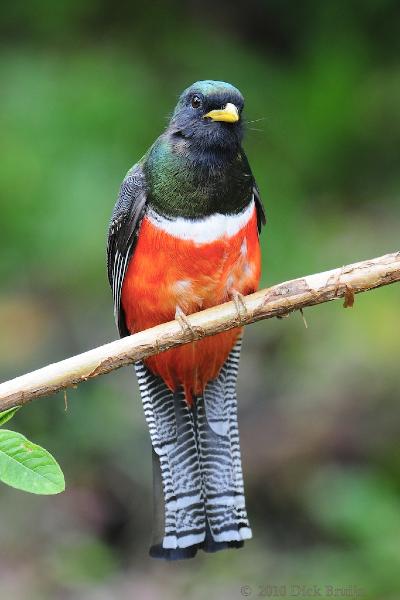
(283, 316)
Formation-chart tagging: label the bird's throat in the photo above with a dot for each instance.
(191, 182)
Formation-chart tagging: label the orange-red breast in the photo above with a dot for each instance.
(183, 237)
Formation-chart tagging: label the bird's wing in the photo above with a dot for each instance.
(122, 235)
(261, 218)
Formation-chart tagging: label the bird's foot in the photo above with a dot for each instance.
(184, 322)
(238, 300)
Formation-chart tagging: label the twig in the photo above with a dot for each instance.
(272, 302)
(303, 317)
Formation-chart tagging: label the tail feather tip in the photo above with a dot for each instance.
(157, 551)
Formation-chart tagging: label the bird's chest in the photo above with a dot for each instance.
(193, 264)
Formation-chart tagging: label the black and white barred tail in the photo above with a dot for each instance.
(198, 483)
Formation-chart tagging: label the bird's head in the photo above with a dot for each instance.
(208, 114)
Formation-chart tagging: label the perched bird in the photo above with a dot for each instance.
(184, 236)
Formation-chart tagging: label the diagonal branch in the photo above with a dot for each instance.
(275, 301)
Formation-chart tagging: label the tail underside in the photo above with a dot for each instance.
(198, 483)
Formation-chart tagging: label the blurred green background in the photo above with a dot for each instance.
(86, 86)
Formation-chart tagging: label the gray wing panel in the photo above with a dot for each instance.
(122, 235)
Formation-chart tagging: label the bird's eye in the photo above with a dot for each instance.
(196, 102)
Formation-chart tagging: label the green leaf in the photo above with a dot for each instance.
(6, 415)
(27, 466)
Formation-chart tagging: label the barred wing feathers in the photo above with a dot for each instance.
(122, 235)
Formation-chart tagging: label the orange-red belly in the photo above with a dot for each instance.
(166, 272)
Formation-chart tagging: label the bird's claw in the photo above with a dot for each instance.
(184, 322)
(238, 300)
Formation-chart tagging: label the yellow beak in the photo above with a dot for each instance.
(229, 114)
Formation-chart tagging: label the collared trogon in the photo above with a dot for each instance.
(184, 236)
